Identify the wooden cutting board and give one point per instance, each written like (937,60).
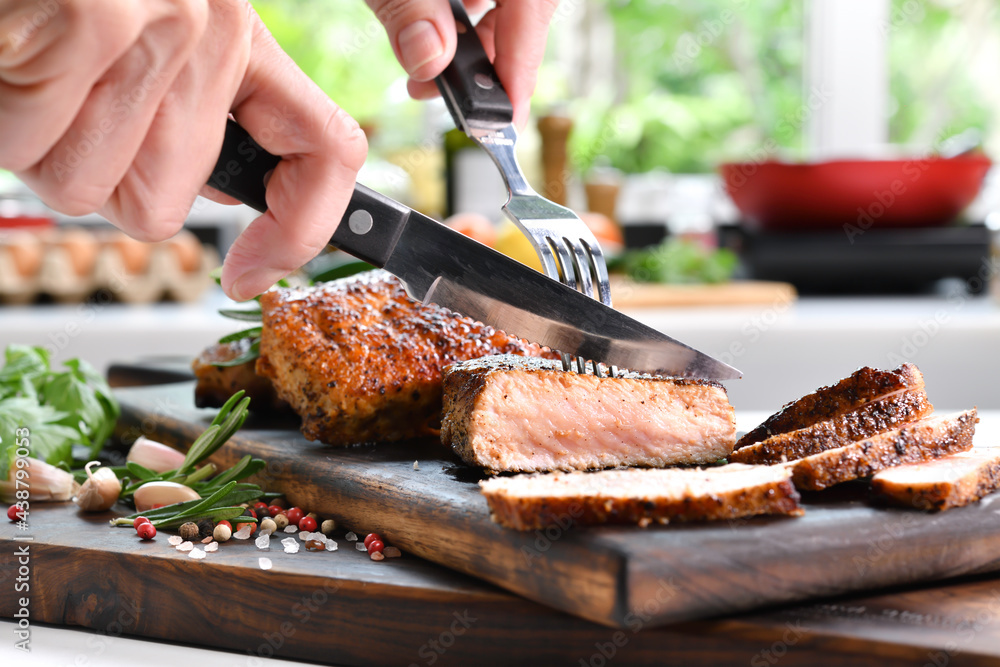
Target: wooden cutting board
(610,575)
(343,609)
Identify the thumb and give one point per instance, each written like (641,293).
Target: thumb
(422,34)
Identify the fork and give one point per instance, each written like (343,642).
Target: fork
(567,248)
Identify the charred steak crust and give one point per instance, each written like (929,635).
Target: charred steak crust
(775,494)
(870,419)
(360,361)
(980,478)
(914,442)
(864,385)
(483,445)
(215,384)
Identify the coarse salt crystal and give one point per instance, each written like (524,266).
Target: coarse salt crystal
(185,546)
(331,546)
(351,537)
(212,546)
(291,528)
(263,542)
(377,555)
(265,563)
(318,536)
(287,541)
(174,540)
(416,466)
(292,548)
(392,552)
(197,554)
(360,546)
(244,532)
(304,535)
(266,533)
(207,540)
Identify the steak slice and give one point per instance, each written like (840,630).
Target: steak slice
(360,361)
(870,419)
(917,441)
(863,386)
(519,414)
(215,384)
(642,496)
(938,485)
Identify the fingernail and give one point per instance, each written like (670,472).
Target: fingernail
(419,44)
(244,287)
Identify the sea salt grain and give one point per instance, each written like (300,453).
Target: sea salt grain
(174,540)
(291,546)
(265,563)
(207,540)
(185,546)
(197,554)
(360,546)
(291,528)
(416,466)
(351,537)
(263,542)
(212,546)
(331,546)
(244,532)
(304,535)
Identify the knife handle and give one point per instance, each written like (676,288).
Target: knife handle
(370,226)
(469,85)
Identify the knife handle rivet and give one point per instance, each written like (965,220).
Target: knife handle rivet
(484,81)
(360,222)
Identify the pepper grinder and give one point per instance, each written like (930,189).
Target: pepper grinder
(554,130)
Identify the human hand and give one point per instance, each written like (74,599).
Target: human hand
(422,33)
(120,107)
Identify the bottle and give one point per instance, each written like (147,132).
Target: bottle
(472,182)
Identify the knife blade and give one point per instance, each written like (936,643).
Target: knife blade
(442,266)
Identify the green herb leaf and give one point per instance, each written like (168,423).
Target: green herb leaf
(254,315)
(240,335)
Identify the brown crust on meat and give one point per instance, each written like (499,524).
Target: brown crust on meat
(942,495)
(215,384)
(464,383)
(360,361)
(870,419)
(917,441)
(519,513)
(864,385)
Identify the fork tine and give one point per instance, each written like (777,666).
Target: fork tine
(582,267)
(568,273)
(549,265)
(600,267)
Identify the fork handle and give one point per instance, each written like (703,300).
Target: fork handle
(371,224)
(469,85)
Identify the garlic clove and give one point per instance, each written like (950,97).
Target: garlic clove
(100,491)
(154,455)
(48,483)
(162,493)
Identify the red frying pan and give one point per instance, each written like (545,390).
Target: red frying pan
(868,193)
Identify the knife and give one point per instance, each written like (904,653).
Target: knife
(442,266)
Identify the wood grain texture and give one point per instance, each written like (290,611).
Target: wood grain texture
(342,608)
(606,574)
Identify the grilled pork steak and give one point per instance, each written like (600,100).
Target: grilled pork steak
(938,485)
(870,419)
(917,441)
(518,414)
(826,403)
(360,361)
(643,496)
(215,384)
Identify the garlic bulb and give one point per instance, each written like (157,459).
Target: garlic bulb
(100,491)
(162,493)
(48,483)
(154,455)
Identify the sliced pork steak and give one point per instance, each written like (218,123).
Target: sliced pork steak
(518,414)
(642,496)
(952,481)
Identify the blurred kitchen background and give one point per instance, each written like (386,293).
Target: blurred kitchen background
(799,187)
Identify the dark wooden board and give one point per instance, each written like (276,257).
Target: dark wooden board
(609,575)
(341,608)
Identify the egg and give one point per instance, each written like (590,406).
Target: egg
(81,246)
(26,249)
(187,248)
(134,254)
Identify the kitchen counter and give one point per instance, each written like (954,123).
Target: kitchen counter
(784,349)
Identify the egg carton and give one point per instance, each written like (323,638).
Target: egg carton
(66,279)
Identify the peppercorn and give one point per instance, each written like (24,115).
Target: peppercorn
(205,527)
(371,537)
(268,524)
(139,520)
(274,510)
(146,531)
(294,514)
(328,527)
(249,512)
(260,507)
(222,532)
(189,531)
(376,545)
(313,515)
(280,521)
(307,523)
